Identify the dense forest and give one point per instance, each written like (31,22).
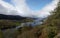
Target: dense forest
(49,29)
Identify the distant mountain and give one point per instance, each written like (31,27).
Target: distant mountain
(11,17)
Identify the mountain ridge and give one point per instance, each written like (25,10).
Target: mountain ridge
(11,17)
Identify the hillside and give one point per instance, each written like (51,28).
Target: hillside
(11,17)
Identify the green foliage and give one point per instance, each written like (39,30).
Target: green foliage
(1,34)
(8,23)
(52,25)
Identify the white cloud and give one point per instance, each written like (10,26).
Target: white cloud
(6,5)
(22,9)
(47,9)
(6,8)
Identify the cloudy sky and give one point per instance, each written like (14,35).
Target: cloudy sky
(28,8)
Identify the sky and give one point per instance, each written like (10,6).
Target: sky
(28,8)
(37,4)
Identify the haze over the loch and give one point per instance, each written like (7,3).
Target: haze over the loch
(28,8)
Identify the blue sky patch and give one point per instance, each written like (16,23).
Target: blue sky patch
(37,4)
(9,1)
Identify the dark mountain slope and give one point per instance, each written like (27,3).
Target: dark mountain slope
(11,17)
